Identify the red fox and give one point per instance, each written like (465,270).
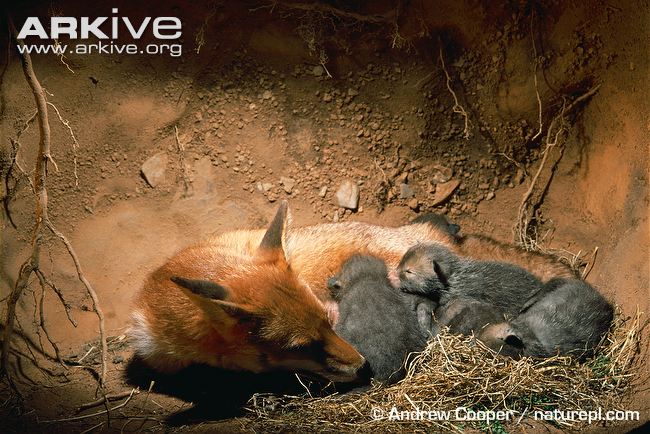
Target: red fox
(257,300)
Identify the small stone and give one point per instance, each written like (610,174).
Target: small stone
(440,174)
(483,186)
(266,186)
(287,184)
(443,191)
(327,97)
(267,94)
(347,196)
(323,191)
(519,177)
(118,359)
(405,191)
(414,204)
(489,196)
(318,71)
(153,170)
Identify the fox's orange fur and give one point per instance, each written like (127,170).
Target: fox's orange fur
(275,311)
(484,248)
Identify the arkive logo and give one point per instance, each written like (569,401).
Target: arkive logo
(111,34)
(164,28)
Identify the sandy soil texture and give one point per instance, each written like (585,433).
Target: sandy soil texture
(279,100)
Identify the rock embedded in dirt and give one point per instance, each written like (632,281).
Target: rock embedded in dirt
(347,196)
(414,204)
(153,170)
(287,184)
(489,196)
(405,191)
(318,71)
(443,191)
(323,191)
(439,174)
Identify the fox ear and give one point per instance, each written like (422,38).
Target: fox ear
(207,294)
(272,247)
(202,288)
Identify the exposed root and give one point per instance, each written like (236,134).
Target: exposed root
(99,413)
(199,38)
(535,64)
(11,180)
(61,56)
(590,264)
(396,39)
(555,133)
(75,143)
(457,108)
(325,9)
(31,266)
(91,292)
(40,325)
(102,400)
(181,157)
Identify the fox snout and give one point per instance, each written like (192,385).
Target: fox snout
(343,362)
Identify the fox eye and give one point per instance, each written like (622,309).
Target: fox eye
(409,271)
(298,343)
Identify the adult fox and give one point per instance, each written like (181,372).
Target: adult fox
(257,300)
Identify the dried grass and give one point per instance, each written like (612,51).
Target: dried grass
(456,371)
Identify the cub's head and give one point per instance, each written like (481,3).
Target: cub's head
(277,319)
(425,269)
(357,268)
(504,339)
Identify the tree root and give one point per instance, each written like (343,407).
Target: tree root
(31,266)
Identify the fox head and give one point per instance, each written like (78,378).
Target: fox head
(273,314)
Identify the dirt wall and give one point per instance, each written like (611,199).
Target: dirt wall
(259,119)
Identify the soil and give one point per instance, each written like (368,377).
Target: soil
(259,119)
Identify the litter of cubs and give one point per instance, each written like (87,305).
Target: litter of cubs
(420,316)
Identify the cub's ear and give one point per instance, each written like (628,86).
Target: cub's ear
(442,271)
(208,295)
(273,245)
(334,285)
